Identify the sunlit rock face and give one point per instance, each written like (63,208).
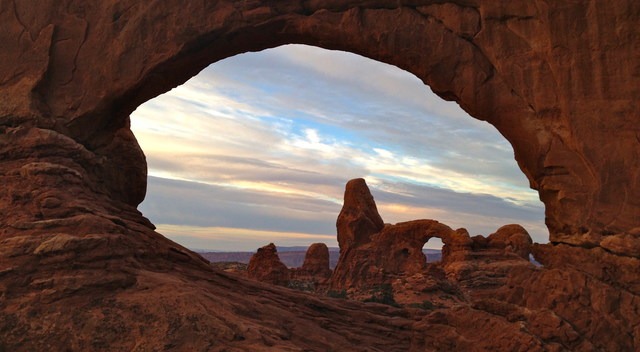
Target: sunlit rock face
(559,80)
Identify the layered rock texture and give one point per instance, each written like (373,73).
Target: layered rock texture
(489,280)
(312,276)
(315,272)
(316,261)
(390,263)
(266,266)
(560,80)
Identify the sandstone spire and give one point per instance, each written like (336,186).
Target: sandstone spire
(359,218)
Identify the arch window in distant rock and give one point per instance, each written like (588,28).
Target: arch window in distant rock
(257,148)
(432,250)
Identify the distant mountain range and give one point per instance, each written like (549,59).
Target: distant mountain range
(293,257)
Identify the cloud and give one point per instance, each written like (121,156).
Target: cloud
(466,203)
(237,239)
(266,141)
(189,204)
(338,90)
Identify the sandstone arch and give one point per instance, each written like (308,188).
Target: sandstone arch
(373,253)
(73,173)
(471,53)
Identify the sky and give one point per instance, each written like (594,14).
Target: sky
(257,148)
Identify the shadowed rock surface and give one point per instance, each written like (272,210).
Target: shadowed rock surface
(312,276)
(392,259)
(359,218)
(292,257)
(560,80)
(316,261)
(511,238)
(265,266)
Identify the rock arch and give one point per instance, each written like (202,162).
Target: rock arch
(72,172)
(373,253)
(90,65)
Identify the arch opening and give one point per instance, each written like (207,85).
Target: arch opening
(432,249)
(327,111)
(74,174)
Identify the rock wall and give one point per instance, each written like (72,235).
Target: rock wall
(554,79)
(560,80)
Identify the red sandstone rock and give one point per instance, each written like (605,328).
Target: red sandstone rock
(314,274)
(456,246)
(359,218)
(316,261)
(512,238)
(265,266)
(558,79)
(471,53)
(393,258)
(479,265)
(380,250)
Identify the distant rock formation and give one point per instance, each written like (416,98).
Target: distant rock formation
(265,266)
(292,257)
(236,268)
(316,261)
(314,273)
(558,79)
(512,238)
(359,218)
(375,256)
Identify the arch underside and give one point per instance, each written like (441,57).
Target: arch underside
(73,172)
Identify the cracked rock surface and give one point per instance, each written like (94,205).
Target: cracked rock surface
(560,80)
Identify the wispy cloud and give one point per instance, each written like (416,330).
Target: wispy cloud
(238,239)
(270,138)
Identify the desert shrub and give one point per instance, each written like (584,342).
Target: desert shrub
(337,294)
